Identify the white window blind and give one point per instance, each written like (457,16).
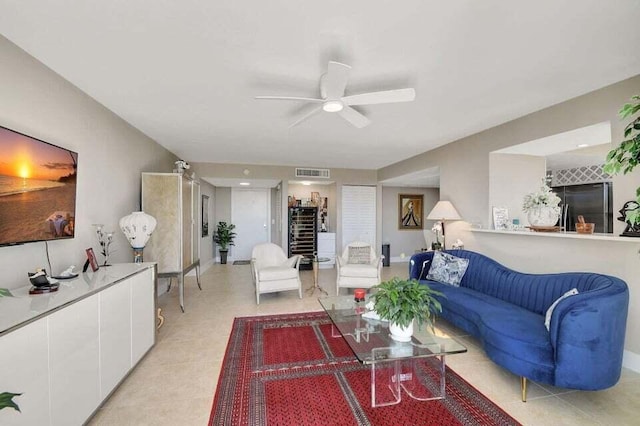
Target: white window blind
(358,214)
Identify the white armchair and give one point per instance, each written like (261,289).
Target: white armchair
(358,267)
(273,272)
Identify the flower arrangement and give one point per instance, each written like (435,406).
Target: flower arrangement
(543,198)
(105,238)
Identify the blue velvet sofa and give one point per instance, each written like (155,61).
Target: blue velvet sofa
(506,311)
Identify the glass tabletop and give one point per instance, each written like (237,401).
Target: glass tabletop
(370,341)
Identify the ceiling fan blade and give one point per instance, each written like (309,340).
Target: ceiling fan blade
(354,117)
(289,98)
(335,81)
(305,116)
(384,97)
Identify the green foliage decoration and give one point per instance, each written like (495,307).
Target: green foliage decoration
(626,156)
(5,293)
(224,235)
(6,400)
(401,301)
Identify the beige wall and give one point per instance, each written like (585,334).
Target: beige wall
(510,177)
(111,155)
(405,242)
(464,179)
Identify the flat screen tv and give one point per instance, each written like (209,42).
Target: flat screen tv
(37,189)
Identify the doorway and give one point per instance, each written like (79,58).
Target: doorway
(250,213)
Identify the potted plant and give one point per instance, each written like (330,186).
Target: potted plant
(542,207)
(224,236)
(625,158)
(401,301)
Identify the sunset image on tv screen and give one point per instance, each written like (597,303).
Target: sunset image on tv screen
(37,189)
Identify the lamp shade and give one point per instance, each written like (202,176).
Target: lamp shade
(444,210)
(138,227)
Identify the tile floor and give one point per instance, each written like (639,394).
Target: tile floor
(175,383)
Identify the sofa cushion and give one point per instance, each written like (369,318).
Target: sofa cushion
(547,317)
(359,271)
(277,273)
(359,255)
(447,268)
(501,324)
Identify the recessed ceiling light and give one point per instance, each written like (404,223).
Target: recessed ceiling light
(244,184)
(583,145)
(332,106)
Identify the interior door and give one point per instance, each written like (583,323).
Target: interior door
(250,214)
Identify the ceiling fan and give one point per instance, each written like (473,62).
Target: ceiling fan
(332,97)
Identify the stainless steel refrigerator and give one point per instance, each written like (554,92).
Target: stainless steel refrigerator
(593,201)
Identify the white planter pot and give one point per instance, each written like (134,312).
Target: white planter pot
(543,216)
(401,334)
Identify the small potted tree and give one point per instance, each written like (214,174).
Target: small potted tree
(402,301)
(224,236)
(624,158)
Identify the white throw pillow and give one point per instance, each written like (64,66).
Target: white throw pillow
(447,269)
(425,268)
(547,317)
(359,255)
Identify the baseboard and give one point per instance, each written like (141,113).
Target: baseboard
(631,361)
(399,259)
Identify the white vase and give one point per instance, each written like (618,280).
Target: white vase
(543,216)
(401,334)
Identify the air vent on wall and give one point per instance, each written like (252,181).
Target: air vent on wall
(312,173)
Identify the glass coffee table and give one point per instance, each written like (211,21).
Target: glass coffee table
(416,367)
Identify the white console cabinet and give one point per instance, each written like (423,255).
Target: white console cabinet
(65,352)
(327,248)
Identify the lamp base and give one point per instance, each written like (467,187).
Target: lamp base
(137,255)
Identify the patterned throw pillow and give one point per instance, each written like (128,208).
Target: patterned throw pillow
(547,317)
(359,255)
(447,269)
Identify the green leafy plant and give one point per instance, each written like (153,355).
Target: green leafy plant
(626,156)
(5,293)
(6,400)
(224,235)
(401,301)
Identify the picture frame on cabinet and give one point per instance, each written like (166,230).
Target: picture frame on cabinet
(91,260)
(205,216)
(500,218)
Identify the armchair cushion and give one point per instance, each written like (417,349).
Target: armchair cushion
(357,270)
(274,273)
(359,255)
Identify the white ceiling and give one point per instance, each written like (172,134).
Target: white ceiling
(185,72)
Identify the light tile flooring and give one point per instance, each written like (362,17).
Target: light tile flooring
(175,383)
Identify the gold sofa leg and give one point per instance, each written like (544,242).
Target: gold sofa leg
(523,388)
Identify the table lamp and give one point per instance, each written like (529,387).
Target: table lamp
(442,211)
(138,227)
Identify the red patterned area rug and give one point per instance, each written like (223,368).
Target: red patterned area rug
(288,370)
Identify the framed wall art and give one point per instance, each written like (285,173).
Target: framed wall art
(205,215)
(410,213)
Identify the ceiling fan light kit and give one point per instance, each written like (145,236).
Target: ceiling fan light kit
(332,106)
(333,99)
